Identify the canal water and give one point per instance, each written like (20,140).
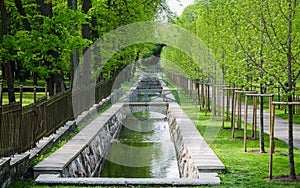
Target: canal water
(143,149)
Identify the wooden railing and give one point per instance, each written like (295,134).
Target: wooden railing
(22,126)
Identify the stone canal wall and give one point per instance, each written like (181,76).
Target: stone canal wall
(195,158)
(84,155)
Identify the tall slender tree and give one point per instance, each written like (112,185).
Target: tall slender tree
(9,75)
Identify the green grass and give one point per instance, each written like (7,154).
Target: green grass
(242,169)
(281,114)
(27,97)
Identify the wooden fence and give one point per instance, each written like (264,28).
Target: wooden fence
(22,126)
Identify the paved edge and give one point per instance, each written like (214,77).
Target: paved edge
(54,179)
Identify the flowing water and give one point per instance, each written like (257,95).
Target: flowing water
(143,149)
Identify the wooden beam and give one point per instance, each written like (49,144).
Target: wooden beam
(286,103)
(260,95)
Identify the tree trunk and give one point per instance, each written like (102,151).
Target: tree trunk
(10,82)
(21,11)
(55,83)
(290,90)
(74,57)
(86,34)
(55,80)
(9,76)
(261,86)
(27,27)
(261,116)
(45,8)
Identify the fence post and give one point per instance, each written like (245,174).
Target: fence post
(1,92)
(34,94)
(46,90)
(54,89)
(1,132)
(62,87)
(21,94)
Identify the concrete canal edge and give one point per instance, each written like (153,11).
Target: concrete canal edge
(195,158)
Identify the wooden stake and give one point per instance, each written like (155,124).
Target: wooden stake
(245,125)
(228,106)
(239,120)
(254,120)
(233,115)
(213,98)
(272,115)
(223,109)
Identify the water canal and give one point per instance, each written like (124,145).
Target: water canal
(143,149)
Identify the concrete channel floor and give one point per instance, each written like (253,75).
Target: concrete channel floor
(280,126)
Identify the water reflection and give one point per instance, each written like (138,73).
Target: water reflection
(143,150)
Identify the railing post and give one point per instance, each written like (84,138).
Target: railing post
(54,89)
(1,92)
(34,94)
(62,87)
(2,144)
(46,90)
(21,94)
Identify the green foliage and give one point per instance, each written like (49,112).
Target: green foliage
(242,34)
(242,169)
(46,48)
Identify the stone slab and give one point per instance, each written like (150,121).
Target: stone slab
(205,179)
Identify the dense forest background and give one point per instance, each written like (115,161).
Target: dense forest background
(45,39)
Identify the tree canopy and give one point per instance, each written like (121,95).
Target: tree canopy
(255,43)
(38,37)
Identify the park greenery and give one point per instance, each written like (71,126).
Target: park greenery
(254,43)
(243,169)
(44,39)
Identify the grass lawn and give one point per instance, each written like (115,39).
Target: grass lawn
(27,97)
(242,169)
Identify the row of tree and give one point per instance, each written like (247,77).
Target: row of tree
(254,42)
(39,38)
